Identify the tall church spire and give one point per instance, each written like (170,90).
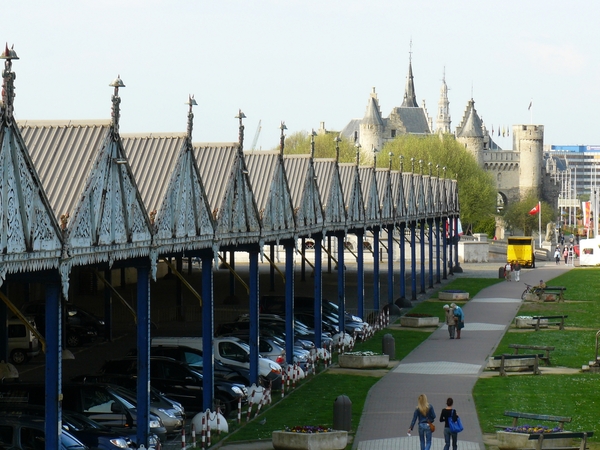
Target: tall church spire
(443,117)
(410,99)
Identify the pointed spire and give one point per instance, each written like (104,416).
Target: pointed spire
(312,143)
(240,116)
(357,146)
(337,148)
(443,118)
(373,112)
(282,127)
(471,125)
(390,156)
(8,80)
(410,98)
(191,102)
(116,101)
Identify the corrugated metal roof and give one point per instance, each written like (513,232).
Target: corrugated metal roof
(63,153)
(332,196)
(296,168)
(370,195)
(261,168)
(304,192)
(153,158)
(215,162)
(384,193)
(353,196)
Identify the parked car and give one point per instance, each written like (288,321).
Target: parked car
(28,432)
(77,335)
(90,433)
(181,383)
(170,412)
(99,402)
(22,343)
(233,352)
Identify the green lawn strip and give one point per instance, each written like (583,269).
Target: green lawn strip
(582,314)
(575,396)
(405,342)
(581,283)
(311,404)
(572,348)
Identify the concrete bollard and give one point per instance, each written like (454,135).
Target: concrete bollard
(389,346)
(342,413)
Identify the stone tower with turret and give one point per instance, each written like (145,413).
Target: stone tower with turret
(528,141)
(371,127)
(471,134)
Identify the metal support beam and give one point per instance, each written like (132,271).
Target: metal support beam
(341,298)
(413,260)
(437,250)
(289,301)
(402,262)
(376,284)
(254,324)
(231,268)
(53,369)
(360,274)
(390,272)
(207,331)
(430,246)
(143,353)
(422,254)
(318,307)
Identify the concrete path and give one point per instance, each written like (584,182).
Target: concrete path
(442,368)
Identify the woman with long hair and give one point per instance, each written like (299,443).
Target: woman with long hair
(425,415)
(449,413)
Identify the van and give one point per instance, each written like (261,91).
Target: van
(233,352)
(22,343)
(522,249)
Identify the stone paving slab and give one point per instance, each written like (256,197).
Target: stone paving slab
(412,443)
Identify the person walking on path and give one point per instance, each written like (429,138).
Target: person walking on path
(450,320)
(566,254)
(449,413)
(507,271)
(557,256)
(517,270)
(460,318)
(425,415)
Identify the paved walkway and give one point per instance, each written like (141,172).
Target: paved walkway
(442,368)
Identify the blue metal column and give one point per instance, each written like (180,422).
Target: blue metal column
(449,243)
(108,322)
(422,254)
(360,269)
(413,260)
(437,250)
(143,352)
(289,301)
(390,249)
(318,289)
(208,355)
(254,320)
(444,232)
(457,268)
(53,365)
(272,268)
(231,273)
(430,242)
(341,300)
(402,262)
(376,269)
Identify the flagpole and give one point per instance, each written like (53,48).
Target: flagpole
(540,221)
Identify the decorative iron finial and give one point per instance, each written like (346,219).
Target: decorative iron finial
(429,164)
(390,155)
(8,82)
(421,166)
(437,166)
(191,102)
(312,143)
(116,101)
(241,116)
(357,145)
(412,164)
(374,157)
(282,127)
(401,163)
(444,169)
(337,140)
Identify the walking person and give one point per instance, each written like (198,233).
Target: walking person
(507,271)
(449,413)
(450,320)
(557,255)
(425,415)
(460,318)
(517,270)
(566,254)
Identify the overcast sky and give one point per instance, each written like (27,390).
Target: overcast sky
(306,62)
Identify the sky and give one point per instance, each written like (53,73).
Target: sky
(306,62)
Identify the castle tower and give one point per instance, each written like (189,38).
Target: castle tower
(371,127)
(470,132)
(443,121)
(528,141)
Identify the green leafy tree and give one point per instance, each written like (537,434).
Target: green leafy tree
(476,190)
(517,217)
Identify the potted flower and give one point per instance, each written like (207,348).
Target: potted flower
(417,320)
(309,438)
(363,360)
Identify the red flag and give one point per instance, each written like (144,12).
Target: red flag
(535,210)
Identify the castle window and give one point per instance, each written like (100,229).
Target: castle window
(393,133)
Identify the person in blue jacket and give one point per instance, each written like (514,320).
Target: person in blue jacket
(460,318)
(424,414)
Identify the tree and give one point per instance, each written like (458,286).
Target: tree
(517,217)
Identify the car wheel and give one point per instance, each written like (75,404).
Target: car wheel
(73,340)
(18,356)
(223,405)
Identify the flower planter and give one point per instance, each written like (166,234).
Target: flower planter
(510,441)
(351,361)
(453,295)
(418,322)
(331,440)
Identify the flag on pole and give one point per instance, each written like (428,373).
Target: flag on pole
(530,103)
(535,210)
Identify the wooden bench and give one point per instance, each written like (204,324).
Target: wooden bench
(556,320)
(545,348)
(542,437)
(502,362)
(529,416)
(558,290)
